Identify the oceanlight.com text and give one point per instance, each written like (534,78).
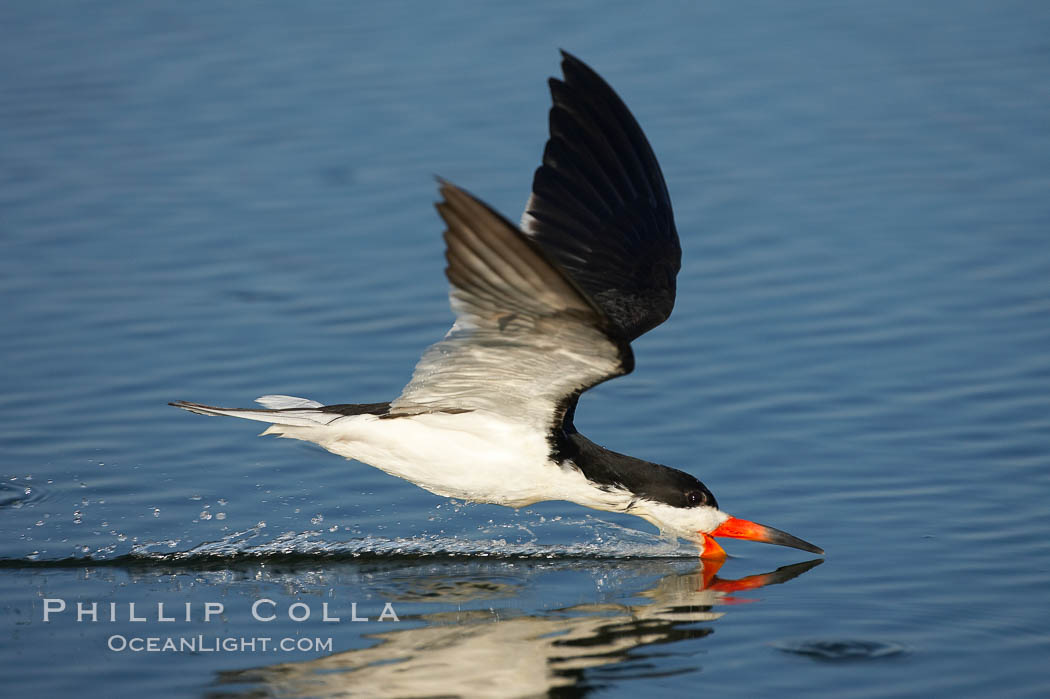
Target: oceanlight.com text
(201,643)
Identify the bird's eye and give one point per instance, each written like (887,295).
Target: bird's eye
(695,497)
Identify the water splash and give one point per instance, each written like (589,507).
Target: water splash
(518,540)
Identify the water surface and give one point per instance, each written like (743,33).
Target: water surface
(213,203)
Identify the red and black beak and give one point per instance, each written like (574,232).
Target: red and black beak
(742,529)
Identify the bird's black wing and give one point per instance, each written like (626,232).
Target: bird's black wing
(599,206)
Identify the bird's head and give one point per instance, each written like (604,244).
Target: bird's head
(685,508)
(675,501)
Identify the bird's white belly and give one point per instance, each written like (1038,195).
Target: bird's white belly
(474,456)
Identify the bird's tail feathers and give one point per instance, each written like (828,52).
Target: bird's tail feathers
(279,410)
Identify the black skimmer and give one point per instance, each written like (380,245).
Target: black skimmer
(544,312)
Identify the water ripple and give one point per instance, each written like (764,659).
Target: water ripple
(843,650)
(18,493)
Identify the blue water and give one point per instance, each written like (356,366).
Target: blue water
(215,202)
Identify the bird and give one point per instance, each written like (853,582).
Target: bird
(544,311)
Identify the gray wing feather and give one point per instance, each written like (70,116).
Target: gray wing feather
(526,339)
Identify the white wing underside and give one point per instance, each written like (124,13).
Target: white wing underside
(276,402)
(525,337)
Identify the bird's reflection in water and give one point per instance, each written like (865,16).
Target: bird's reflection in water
(500,652)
